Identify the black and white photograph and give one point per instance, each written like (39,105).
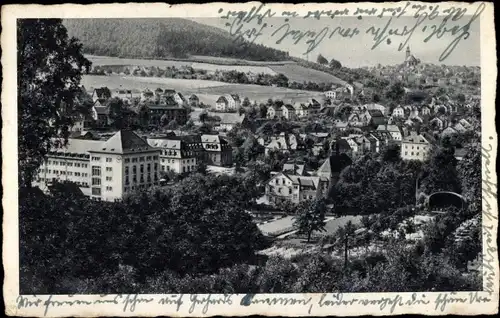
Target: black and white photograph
(257,150)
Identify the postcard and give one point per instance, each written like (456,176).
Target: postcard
(235,159)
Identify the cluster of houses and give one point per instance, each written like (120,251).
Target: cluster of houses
(413,72)
(160,106)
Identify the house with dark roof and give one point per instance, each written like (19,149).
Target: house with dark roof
(222,104)
(102,94)
(288,112)
(194,101)
(164,113)
(218,150)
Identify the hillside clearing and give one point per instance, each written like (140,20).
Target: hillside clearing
(300,74)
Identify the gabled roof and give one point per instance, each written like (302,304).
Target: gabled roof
(231,118)
(289,107)
(102,92)
(375,113)
(235,97)
(417,139)
(193,97)
(213,139)
(101,110)
(125,141)
(79,146)
(390,128)
(222,99)
(335,164)
(294,168)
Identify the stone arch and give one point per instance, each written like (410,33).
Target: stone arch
(442,199)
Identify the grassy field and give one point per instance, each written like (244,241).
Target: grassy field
(239,68)
(290,69)
(299,74)
(222,61)
(207,91)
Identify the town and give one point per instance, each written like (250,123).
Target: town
(333,182)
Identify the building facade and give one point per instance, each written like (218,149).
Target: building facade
(104,170)
(415,147)
(218,151)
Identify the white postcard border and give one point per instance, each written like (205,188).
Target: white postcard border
(306,304)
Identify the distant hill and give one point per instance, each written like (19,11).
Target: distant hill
(163,38)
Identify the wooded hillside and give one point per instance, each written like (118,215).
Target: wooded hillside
(163,37)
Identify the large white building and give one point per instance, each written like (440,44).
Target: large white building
(175,155)
(104,170)
(415,147)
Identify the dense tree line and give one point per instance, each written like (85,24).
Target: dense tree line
(196,226)
(50,65)
(160,38)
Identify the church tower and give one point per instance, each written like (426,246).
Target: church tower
(408,53)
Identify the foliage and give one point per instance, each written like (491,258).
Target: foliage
(321,60)
(166,37)
(50,66)
(469,173)
(310,217)
(441,173)
(395,92)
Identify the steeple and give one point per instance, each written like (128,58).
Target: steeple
(408,53)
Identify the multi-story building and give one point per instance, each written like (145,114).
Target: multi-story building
(288,112)
(274,112)
(415,147)
(104,170)
(296,188)
(394,130)
(330,94)
(175,154)
(168,112)
(218,151)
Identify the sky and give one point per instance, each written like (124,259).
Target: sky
(357,51)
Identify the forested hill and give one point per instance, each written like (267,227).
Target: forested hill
(161,38)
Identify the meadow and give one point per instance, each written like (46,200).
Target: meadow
(300,74)
(207,91)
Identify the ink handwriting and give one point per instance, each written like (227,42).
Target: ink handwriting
(451,24)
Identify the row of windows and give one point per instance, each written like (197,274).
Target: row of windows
(69,173)
(184,169)
(81,184)
(69,164)
(412,147)
(174,160)
(134,168)
(412,153)
(141,159)
(209,146)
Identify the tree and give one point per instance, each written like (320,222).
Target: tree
(203,117)
(391,153)
(322,60)
(395,92)
(263,111)
(469,174)
(117,112)
(335,65)
(441,172)
(50,67)
(310,217)
(172,125)
(246,102)
(345,233)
